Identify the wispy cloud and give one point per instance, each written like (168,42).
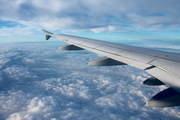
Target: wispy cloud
(96,16)
(103,29)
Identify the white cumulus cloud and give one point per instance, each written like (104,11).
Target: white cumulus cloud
(38,81)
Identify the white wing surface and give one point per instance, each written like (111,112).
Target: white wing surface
(163,66)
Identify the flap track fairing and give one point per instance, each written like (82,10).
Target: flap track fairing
(105,61)
(166,98)
(152,81)
(70,47)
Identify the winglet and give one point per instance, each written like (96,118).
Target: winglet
(48,34)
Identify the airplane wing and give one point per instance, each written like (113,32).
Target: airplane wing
(163,66)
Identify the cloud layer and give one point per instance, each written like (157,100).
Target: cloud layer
(96,16)
(38,81)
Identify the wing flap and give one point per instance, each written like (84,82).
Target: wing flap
(111,50)
(166,77)
(137,56)
(90,44)
(169,66)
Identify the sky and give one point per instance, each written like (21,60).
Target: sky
(40,82)
(23,20)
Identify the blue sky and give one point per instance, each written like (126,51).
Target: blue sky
(22,20)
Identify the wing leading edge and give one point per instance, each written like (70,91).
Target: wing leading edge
(164,66)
